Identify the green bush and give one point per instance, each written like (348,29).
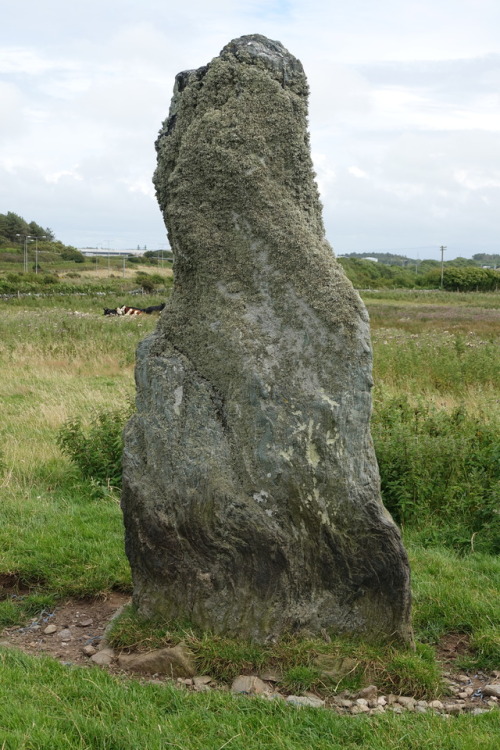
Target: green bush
(440,473)
(71,253)
(462,279)
(365,274)
(96,449)
(149,282)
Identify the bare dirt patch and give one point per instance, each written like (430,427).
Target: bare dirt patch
(452,646)
(84,621)
(77,624)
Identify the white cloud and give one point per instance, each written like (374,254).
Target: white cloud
(357,172)
(404,112)
(11,110)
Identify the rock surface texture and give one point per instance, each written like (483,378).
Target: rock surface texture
(251,491)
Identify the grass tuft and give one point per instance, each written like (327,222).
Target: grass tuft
(300,663)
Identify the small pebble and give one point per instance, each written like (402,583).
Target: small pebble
(202,680)
(344,703)
(406,701)
(437,705)
(452,708)
(359,709)
(493,690)
(85,622)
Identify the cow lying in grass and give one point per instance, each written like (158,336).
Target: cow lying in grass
(125,310)
(153,308)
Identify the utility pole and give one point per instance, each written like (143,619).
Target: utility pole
(443,248)
(25,250)
(43,237)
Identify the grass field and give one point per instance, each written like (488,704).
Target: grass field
(437,373)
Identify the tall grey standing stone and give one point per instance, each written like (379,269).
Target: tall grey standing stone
(251,490)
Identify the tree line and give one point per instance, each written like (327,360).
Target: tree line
(491,260)
(13,228)
(365,274)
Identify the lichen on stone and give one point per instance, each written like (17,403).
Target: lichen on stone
(251,492)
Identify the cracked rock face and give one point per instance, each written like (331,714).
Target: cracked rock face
(251,490)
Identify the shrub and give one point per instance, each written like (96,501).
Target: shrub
(365,274)
(96,449)
(440,473)
(149,282)
(48,279)
(463,279)
(71,253)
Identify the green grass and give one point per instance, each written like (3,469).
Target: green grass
(456,365)
(410,297)
(62,535)
(456,594)
(300,662)
(46,705)
(440,472)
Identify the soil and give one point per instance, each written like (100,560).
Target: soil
(87,621)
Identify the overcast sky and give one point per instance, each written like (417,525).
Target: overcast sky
(404,113)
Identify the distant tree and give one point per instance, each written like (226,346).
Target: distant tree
(15,225)
(390,259)
(12,225)
(487,259)
(71,253)
(463,279)
(36,230)
(460,262)
(365,274)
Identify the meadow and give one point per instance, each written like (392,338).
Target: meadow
(436,427)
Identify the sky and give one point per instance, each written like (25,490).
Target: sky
(404,114)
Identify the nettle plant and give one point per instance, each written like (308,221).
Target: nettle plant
(96,447)
(440,472)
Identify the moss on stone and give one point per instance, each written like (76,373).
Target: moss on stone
(251,492)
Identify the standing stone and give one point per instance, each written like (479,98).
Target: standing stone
(250,487)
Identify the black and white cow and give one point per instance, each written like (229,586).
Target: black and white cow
(125,310)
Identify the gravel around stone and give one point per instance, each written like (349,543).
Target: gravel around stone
(73,633)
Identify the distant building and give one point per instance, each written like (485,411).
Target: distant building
(357,257)
(99,251)
(96,251)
